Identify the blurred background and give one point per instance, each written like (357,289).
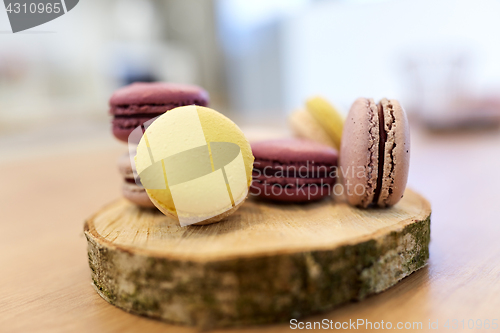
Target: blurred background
(258,59)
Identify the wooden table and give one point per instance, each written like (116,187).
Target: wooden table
(45,278)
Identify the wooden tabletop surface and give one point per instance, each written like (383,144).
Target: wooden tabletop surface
(45,279)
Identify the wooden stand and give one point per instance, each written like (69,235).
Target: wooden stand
(265,263)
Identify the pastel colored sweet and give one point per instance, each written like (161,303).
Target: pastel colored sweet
(320,121)
(130,190)
(327,117)
(375,153)
(305,126)
(203,181)
(293,170)
(139,102)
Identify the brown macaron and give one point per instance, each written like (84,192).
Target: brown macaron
(375,153)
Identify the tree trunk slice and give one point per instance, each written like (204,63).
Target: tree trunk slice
(265,263)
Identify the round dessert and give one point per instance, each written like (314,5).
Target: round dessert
(139,102)
(293,170)
(305,126)
(375,153)
(195,164)
(319,121)
(130,190)
(328,117)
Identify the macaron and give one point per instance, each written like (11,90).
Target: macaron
(320,121)
(139,102)
(130,190)
(305,126)
(196,165)
(293,170)
(375,153)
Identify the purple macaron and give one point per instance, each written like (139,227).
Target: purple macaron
(139,102)
(293,170)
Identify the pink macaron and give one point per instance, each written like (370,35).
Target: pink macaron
(375,153)
(130,190)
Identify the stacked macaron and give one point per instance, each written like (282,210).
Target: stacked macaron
(293,170)
(130,189)
(135,104)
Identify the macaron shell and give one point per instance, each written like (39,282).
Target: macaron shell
(396,153)
(172,213)
(213,122)
(294,150)
(359,152)
(159,93)
(120,133)
(305,126)
(327,117)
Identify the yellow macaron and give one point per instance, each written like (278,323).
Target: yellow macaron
(320,121)
(195,164)
(328,117)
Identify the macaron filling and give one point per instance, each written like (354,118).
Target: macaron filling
(130,180)
(381,153)
(150,108)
